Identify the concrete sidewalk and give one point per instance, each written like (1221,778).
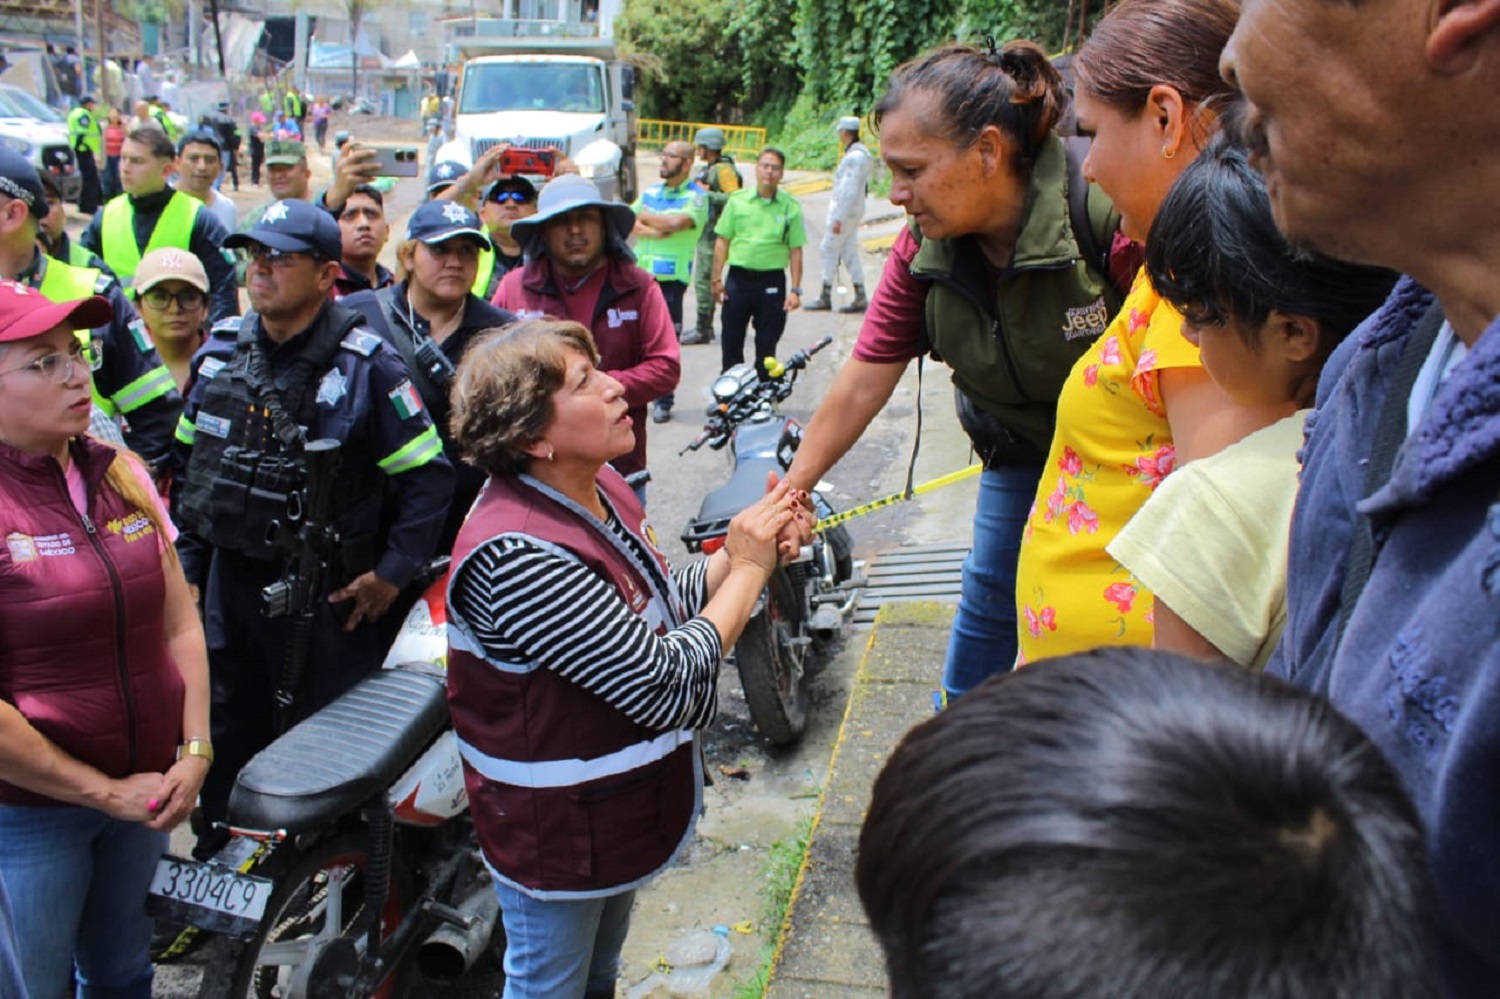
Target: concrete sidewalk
(826,950)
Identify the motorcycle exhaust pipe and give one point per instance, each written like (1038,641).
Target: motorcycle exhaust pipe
(451,950)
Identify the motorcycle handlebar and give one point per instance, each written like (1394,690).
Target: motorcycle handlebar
(776,368)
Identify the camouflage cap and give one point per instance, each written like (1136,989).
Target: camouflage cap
(285,152)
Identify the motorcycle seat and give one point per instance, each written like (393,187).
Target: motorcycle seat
(745,486)
(335,760)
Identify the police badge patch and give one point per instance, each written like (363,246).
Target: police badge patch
(332,388)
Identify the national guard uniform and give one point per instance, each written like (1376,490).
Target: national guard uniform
(338,380)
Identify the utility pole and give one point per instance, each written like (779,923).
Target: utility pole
(83,71)
(103,53)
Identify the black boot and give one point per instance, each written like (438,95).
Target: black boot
(859,304)
(822,303)
(702,333)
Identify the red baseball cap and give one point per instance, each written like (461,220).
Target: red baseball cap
(25,313)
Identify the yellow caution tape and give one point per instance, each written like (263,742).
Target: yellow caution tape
(894,498)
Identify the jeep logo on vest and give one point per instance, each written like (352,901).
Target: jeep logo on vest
(1086,320)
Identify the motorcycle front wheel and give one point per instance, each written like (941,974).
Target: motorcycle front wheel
(771,662)
(306,942)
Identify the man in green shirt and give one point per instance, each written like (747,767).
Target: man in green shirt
(668,219)
(759,235)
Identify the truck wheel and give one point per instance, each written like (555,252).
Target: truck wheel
(626,181)
(771,660)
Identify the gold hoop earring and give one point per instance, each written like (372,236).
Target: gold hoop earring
(1168,153)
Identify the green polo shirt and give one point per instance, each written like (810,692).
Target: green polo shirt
(761,233)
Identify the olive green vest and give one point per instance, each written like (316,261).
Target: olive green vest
(1012,340)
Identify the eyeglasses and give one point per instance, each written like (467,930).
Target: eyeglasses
(58,368)
(161,299)
(257,253)
(501,197)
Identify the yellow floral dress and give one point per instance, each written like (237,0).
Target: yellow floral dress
(1112,447)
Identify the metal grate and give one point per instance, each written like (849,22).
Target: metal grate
(481,146)
(911,572)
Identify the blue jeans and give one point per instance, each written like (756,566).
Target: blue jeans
(562,949)
(983,640)
(77,883)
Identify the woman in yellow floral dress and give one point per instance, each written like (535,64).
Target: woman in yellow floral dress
(1138,402)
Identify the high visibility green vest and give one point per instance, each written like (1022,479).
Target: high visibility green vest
(268,103)
(292,105)
(79,255)
(174,227)
(166,123)
(65,283)
(482,278)
(83,131)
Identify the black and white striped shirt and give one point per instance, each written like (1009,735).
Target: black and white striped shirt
(531,605)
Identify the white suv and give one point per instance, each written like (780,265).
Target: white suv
(39,133)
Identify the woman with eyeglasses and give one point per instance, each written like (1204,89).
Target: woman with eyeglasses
(104,707)
(171,291)
(431,316)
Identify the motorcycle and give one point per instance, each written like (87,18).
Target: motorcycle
(352,859)
(805,601)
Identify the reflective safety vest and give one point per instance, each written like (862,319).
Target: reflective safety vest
(84,132)
(79,255)
(268,103)
(292,104)
(482,288)
(165,120)
(174,227)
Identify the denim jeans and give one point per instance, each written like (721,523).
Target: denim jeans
(77,883)
(983,640)
(562,949)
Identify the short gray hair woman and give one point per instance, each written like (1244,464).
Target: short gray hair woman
(580,666)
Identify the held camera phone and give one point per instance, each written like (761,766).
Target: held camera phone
(532,162)
(398,162)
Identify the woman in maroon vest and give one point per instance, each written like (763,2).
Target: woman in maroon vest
(103,672)
(580,666)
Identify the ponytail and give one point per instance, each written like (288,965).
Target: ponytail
(1012,87)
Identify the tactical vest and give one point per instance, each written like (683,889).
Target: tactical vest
(1012,340)
(174,227)
(570,798)
(241,474)
(708,177)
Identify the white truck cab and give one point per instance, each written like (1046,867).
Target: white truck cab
(575,98)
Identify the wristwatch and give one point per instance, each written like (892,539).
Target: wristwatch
(795,291)
(196,747)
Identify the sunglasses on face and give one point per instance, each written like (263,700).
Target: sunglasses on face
(501,197)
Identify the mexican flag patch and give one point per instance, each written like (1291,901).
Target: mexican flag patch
(406,399)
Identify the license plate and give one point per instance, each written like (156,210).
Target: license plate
(209,896)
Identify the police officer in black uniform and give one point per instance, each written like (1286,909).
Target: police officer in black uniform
(299,368)
(130,382)
(431,317)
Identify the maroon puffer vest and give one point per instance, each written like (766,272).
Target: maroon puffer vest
(83,655)
(571,799)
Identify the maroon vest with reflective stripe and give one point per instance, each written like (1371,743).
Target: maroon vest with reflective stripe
(84,656)
(598,835)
